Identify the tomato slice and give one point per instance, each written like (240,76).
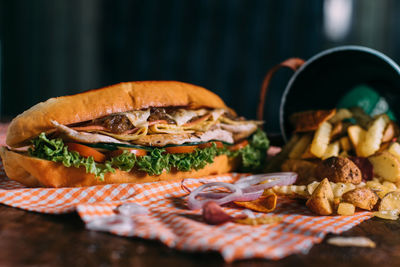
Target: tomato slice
(209,144)
(239,145)
(86,151)
(137,151)
(180,149)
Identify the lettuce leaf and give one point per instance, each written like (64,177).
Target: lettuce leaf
(156,161)
(254,156)
(55,150)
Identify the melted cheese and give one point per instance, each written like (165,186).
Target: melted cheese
(168,128)
(128,137)
(138,118)
(182,116)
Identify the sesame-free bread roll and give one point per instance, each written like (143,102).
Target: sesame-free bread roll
(36,172)
(105,101)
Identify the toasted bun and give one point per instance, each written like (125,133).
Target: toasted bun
(34,172)
(101,102)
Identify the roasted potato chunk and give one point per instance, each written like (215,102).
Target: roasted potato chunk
(321,200)
(390,202)
(394,149)
(300,147)
(346,209)
(363,198)
(386,166)
(339,170)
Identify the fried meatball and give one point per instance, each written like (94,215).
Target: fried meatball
(339,170)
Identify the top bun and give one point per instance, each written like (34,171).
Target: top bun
(105,101)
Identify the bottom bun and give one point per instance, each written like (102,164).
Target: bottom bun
(34,172)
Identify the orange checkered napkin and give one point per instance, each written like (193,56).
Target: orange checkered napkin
(170,222)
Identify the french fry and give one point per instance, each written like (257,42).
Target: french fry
(321,139)
(337,130)
(345,143)
(358,241)
(340,115)
(356,134)
(389,133)
(332,150)
(346,209)
(295,191)
(300,147)
(386,166)
(373,137)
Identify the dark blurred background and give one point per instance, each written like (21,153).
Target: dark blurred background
(56,47)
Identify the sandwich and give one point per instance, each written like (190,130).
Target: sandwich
(131,132)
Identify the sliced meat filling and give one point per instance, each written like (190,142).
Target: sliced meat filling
(72,135)
(174,126)
(117,123)
(157,114)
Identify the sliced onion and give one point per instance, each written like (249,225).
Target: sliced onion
(195,204)
(130,209)
(252,183)
(245,197)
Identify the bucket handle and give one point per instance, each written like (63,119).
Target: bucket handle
(291,63)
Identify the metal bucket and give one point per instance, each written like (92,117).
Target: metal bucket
(323,81)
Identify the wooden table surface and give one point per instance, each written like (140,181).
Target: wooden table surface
(34,239)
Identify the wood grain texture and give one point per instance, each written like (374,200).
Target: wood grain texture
(28,238)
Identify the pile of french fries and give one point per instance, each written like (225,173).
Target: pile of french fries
(348,133)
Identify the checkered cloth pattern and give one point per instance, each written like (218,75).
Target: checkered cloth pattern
(172,223)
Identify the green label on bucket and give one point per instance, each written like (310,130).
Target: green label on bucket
(368,99)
